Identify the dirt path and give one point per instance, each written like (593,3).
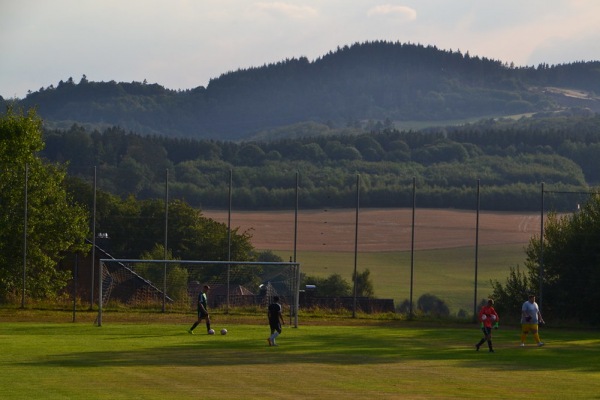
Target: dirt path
(380,229)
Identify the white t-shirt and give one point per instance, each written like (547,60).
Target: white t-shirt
(532,310)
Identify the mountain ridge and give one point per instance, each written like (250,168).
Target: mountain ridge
(370,81)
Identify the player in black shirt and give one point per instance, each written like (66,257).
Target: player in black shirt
(275,320)
(202,310)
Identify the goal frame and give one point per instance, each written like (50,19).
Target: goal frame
(296,291)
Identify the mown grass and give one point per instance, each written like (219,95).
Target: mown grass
(362,359)
(446,273)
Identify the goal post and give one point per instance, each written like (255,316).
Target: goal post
(137,281)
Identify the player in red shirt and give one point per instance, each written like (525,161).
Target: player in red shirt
(488,318)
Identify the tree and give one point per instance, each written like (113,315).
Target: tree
(509,298)
(571,266)
(177,276)
(251,154)
(364,285)
(332,286)
(131,176)
(54,224)
(430,304)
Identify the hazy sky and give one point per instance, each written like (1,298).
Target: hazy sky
(182,44)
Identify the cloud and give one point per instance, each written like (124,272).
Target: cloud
(279,9)
(388,10)
(185,43)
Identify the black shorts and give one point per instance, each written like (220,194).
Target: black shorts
(487,330)
(202,314)
(275,325)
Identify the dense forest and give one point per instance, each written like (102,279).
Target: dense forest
(510,159)
(373,81)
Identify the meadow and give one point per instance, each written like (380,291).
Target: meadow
(446,273)
(374,359)
(444,255)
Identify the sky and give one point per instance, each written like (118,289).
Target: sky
(183,44)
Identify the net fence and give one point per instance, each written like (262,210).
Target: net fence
(163,285)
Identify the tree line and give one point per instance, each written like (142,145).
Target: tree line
(509,159)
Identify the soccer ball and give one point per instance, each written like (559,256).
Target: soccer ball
(493,317)
(223,331)
(483,317)
(211,331)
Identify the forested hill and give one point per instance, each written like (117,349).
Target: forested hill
(374,81)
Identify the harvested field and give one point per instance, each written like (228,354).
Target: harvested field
(380,229)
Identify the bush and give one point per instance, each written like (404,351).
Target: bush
(431,305)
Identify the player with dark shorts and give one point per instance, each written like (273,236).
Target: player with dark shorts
(488,318)
(275,320)
(202,310)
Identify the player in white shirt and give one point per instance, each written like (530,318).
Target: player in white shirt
(530,320)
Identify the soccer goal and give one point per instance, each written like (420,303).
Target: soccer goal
(163,284)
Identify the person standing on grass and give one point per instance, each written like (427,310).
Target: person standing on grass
(488,318)
(275,320)
(202,310)
(530,320)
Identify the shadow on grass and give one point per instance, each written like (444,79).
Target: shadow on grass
(127,347)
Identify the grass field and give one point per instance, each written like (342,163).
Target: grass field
(446,273)
(363,359)
(151,356)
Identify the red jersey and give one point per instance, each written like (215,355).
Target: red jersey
(491,316)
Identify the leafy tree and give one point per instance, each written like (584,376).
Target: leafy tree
(251,154)
(196,237)
(370,148)
(54,224)
(508,298)
(364,285)
(430,304)
(311,152)
(131,176)
(268,256)
(177,276)
(332,286)
(404,307)
(137,227)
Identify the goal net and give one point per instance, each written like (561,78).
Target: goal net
(175,284)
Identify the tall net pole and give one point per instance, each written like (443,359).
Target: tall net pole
(229,233)
(25,217)
(476,252)
(296,276)
(412,245)
(166,232)
(541,270)
(93,243)
(356,245)
(297,294)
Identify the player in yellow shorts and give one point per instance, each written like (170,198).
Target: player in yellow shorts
(530,320)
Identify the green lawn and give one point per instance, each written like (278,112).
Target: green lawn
(370,360)
(446,273)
